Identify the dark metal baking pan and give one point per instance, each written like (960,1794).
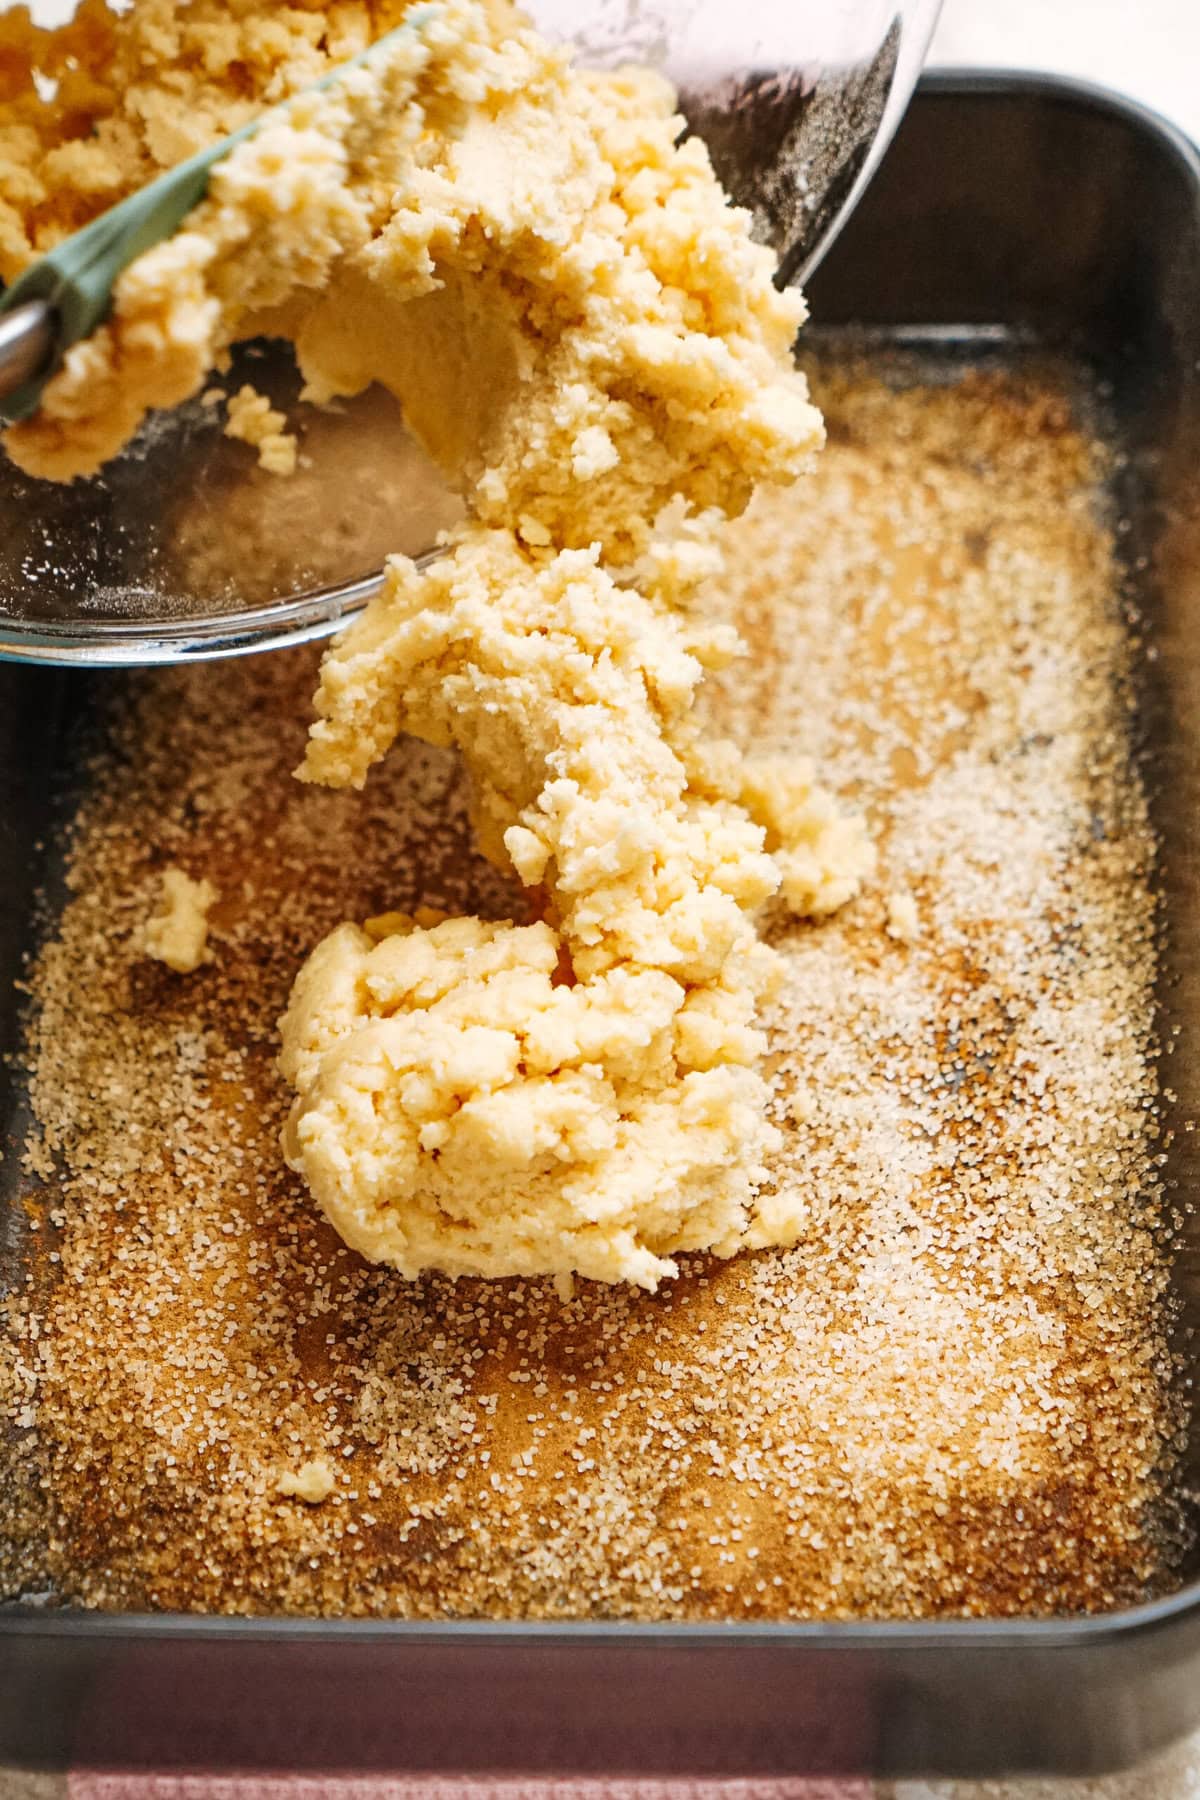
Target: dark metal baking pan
(1011,209)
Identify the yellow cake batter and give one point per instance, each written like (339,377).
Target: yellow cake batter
(177,931)
(582,334)
(251,417)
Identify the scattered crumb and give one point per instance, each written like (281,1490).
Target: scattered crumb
(255,421)
(177,934)
(312,1481)
(903,922)
(800,1106)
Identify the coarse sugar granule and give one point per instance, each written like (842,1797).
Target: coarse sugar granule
(953,1397)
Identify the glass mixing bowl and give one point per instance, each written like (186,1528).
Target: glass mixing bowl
(797,102)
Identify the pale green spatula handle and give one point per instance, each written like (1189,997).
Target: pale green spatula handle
(75,280)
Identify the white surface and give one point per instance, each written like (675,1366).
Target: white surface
(1147,48)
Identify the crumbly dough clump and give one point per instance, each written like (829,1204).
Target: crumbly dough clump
(177,934)
(589,345)
(312,1482)
(552,1097)
(252,419)
(903,920)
